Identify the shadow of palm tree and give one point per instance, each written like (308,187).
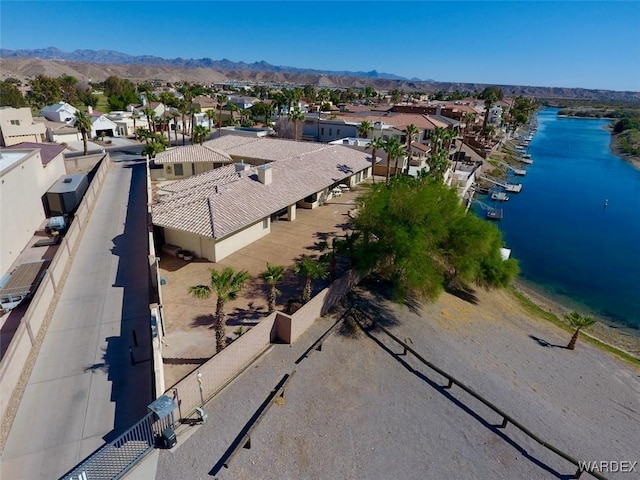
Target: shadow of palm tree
(245,316)
(203,321)
(543,343)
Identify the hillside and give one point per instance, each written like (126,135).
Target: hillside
(25,68)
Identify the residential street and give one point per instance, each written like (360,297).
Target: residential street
(84,388)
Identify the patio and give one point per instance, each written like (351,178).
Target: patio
(189,338)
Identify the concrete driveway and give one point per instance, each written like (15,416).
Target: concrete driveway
(190,340)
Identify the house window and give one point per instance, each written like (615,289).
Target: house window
(330,131)
(338,132)
(265,223)
(179,170)
(322,131)
(15,122)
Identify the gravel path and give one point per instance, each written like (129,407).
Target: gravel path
(356,410)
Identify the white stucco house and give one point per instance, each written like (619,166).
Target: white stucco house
(27,171)
(101,126)
(216,213)
(17,126)
(59,112)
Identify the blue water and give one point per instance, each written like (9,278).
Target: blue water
(568,243)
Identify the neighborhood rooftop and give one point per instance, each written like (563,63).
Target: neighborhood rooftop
(222,201)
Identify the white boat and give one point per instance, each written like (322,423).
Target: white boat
(499,196)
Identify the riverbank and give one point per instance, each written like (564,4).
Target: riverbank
(626,340)
(616,149)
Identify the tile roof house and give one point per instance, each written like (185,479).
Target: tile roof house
(17,125)
(221,211)
(181,162)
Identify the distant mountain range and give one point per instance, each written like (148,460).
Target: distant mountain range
(112,57)
(95,66)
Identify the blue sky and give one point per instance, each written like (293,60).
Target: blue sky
(564,44)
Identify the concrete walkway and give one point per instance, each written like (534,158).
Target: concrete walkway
(84,389)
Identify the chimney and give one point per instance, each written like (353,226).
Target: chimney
(264,174)
(89,109)
(241,167)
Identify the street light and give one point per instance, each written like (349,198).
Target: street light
(200,411)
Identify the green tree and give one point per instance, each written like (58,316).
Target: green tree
(44,91)
(364,128)
(417,234)
(393,147)
(83,124)
(310,269)
(296,116)
(578,322)
(10,96)
(376,144)
(272,276)
(227,285)
(490,95)
(211,116)
(200,133)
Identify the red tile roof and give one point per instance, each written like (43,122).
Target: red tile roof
(48,151)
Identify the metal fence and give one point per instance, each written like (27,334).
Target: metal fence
(451,381)
(113,460)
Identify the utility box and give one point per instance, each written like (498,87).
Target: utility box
(168,438)
(65,195)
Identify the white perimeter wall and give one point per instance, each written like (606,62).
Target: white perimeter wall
(21,210)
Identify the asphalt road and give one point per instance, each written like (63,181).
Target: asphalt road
(84,388)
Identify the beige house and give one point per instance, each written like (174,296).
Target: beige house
(17,125)
(217,213)
(27,171)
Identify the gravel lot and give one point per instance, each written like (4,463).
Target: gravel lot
(356,410)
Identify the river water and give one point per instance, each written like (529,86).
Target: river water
(575,228)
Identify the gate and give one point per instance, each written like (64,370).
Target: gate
(113,460)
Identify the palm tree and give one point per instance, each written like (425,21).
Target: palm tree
(296,116)
(310,269)
(578,321)
(143,134)
(211,116)
(83,124)
(182,108)
(376,144)
(134,117)
(412,132)
(227,285)
(468,118)
(200,133)
(272,276)
(220,99)
(174,116)
(364,128)
(394,150)
(150,113)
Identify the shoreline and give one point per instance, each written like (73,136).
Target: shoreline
(624,339)
(614,146)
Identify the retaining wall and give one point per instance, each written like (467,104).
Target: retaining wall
(226,365)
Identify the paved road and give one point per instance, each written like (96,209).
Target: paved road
(83,388)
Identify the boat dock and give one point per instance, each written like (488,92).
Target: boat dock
(499,196)
(495,213)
